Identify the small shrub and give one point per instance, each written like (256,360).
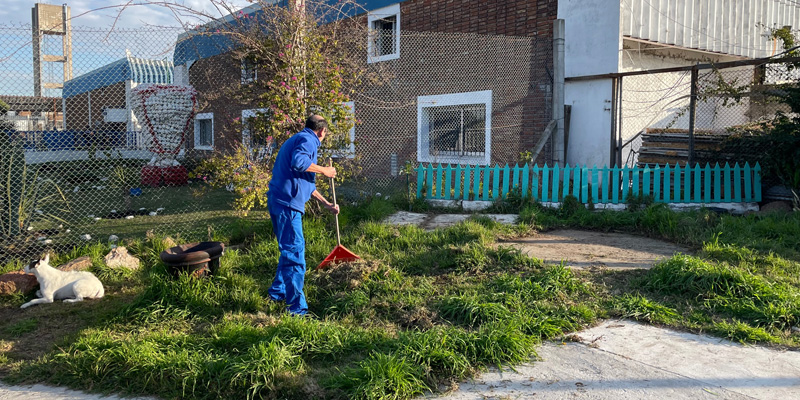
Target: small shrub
(639,201)
(570,206)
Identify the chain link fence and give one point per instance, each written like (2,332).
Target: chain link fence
(77,161)
(656,125)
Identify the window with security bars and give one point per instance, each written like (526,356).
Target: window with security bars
(457,130)
(383,43)
(384,39)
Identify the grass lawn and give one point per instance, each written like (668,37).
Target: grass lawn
(424,310)
(188,213)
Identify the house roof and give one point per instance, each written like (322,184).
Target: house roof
(139,70)
(31,103)
(205,41)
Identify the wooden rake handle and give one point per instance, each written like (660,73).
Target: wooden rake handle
(335,216)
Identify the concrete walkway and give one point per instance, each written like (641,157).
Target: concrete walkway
(42,392)
(628,360)
(432,221)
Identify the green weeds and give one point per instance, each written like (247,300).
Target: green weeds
(422,310)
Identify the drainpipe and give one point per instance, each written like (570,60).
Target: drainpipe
(558,91)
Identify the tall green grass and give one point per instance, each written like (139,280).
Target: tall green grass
(423,309)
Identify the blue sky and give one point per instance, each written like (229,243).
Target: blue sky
(156,28)
(100,13)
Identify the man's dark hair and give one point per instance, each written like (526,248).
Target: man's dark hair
(316,122)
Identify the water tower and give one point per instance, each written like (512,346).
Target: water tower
(50,20)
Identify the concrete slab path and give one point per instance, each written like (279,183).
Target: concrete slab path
(628,360)
(431,221)
(43,392)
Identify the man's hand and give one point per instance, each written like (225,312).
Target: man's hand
(333,208)
(330,172)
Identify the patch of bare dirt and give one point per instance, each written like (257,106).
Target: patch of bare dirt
(588,249)
(53,323)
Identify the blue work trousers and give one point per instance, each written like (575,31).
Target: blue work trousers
(290,277)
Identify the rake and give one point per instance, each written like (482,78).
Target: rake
(339,253)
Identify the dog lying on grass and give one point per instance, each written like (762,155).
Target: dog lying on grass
(70,286)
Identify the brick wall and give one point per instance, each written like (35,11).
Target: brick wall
(494,17)
(77,107)
(217,80)
(442,63)
(520,81)
(522,105)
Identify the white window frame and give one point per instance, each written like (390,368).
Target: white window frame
(453,99)
(377,15)
(197,119)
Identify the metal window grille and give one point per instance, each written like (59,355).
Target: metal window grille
(384,35)
(457,130)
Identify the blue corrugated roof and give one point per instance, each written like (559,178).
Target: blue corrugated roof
(139,70)
(205,42)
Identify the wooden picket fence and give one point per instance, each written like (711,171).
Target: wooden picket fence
(667,184)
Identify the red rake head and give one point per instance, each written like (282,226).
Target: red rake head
(339,254)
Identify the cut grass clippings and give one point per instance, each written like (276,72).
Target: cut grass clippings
(422,311)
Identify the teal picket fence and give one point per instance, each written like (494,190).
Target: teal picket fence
(666,184)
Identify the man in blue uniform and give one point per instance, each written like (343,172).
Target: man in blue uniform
(292,185)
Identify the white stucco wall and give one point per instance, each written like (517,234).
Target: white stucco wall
(595,45)
(590,124)
(592,46)
(592,38)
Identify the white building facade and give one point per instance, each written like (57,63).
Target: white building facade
(617,36)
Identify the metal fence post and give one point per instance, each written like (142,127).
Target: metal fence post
(692,109)
(619,124)
(613,142)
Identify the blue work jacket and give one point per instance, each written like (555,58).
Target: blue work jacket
(291,186)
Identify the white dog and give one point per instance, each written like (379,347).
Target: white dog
(71,286)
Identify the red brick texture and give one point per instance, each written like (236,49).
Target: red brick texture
(511,18)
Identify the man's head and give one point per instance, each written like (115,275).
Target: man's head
(317,124)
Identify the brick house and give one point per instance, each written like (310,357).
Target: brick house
(472,83)
(462,68)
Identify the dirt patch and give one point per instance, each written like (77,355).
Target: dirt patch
(29,333)
(586,249)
